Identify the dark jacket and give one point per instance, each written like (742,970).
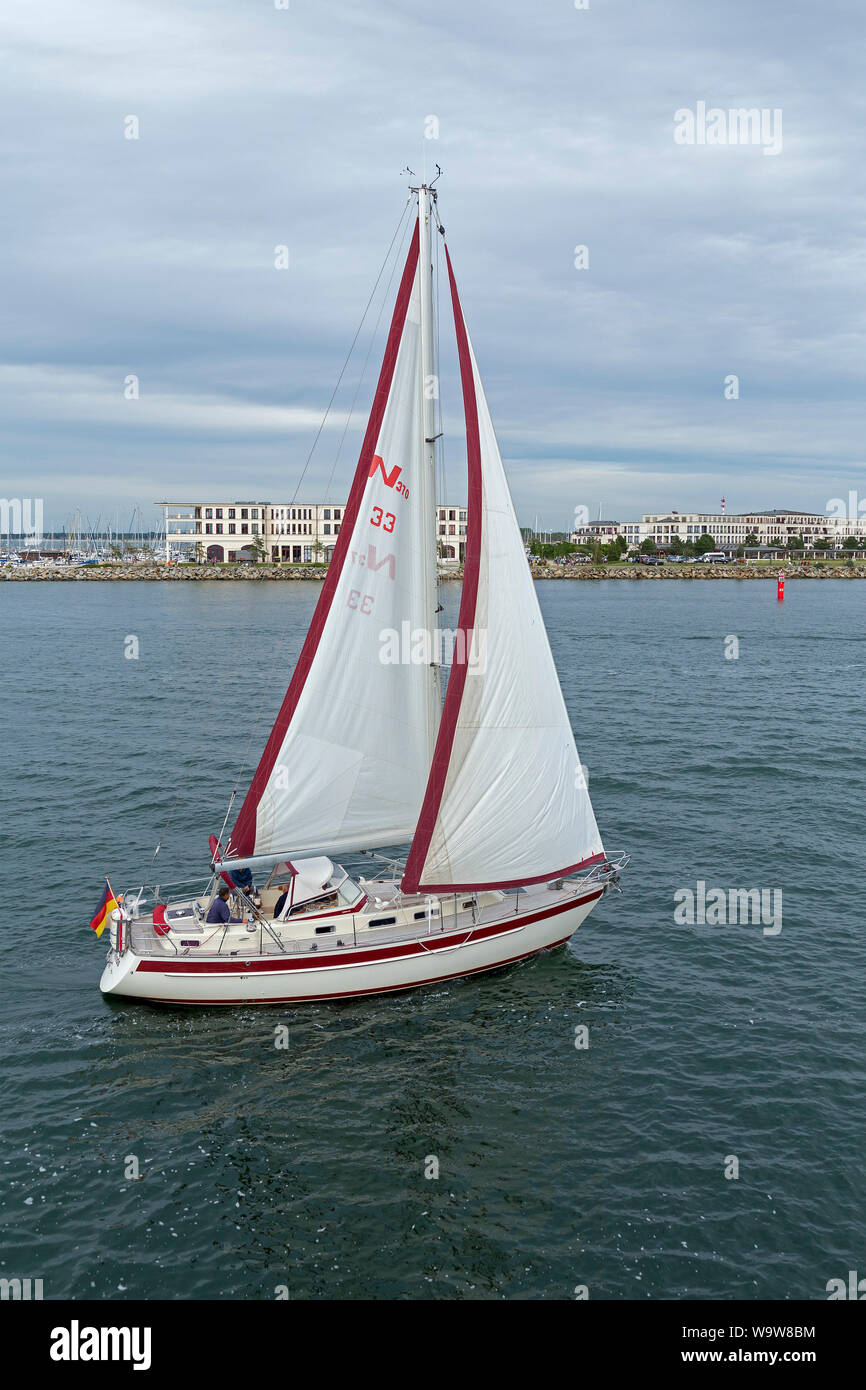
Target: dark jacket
(219,912)
(280,903)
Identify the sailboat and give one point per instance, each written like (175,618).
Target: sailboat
(485,786)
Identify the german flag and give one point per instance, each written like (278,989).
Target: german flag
(107,906)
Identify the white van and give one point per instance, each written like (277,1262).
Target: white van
(714,557)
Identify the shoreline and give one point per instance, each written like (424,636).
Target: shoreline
(263,574)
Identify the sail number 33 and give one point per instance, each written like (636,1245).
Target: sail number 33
(390,519)
(363,603)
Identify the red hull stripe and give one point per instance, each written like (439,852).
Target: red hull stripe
(374,957)
(454,695)
(243,837)
(382,989)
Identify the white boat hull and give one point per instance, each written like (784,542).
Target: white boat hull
(467,950)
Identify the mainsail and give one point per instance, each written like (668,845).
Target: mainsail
(347,761)
(506,803)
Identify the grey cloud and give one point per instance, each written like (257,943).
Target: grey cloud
(261,127)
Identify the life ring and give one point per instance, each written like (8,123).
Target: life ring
(160,925)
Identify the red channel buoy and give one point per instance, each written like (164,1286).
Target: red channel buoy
(780,592)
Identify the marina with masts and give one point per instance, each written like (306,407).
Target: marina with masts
(81,541)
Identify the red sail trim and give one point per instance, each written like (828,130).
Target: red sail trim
(411,882)
(243,837)
(515,882)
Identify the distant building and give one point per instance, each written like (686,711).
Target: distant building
(728,531)
(451,533)
(288,533)
(597,530)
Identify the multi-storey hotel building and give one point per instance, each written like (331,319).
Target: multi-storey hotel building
(293,533)
(727,530)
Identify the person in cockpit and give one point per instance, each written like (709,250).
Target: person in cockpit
(219,910)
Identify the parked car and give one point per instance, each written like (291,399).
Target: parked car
(652,559)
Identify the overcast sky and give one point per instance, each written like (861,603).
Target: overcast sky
(260,126)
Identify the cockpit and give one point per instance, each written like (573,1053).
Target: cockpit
(296,886)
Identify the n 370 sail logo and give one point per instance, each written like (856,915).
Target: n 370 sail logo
(392,479)
(385,522)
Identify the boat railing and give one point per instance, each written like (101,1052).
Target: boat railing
(140,937)
(139,934)
(610,869)
(140,902)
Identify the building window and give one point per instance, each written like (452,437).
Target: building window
(231,512)
(219,528)
(336,529)
(244,528)
(219,513)
(208,528)
(255,513)
(208,511)
(198,511)
(232,528)
(244,514)
(327,515)
(327,529)
(338,513)
(308,554)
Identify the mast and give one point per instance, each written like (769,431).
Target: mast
(429,388)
